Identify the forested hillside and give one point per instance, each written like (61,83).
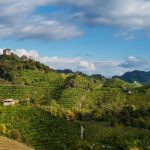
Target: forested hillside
(136,76)
(54,105)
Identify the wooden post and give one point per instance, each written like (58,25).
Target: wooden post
(82,132)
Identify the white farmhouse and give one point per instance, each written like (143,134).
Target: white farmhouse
(9,102)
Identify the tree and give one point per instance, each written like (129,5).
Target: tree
(70,82)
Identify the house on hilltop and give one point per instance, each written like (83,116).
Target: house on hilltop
(7,52)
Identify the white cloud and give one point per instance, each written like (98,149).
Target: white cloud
(133,61)
(132,14)
(18,19)
(86,65)
(109,68)
(125,13)
(39,28)
(1,51)
(31,53)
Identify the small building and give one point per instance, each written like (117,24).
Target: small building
(9,102)
(7,52)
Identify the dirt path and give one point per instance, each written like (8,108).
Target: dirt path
(7,144)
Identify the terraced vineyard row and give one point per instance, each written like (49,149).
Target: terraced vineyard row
(71,97)
(24,92)
(36,78)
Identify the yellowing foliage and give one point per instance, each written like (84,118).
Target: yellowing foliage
(3,128)
(70,115)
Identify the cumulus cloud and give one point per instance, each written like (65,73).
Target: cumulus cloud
(130,13)
(31,53)
(133,61)
(18,21)
(109,68)
(39,28)
(75,64)
(1,51)
(86,65)
(18,18)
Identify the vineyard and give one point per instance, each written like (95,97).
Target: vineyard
(53,106)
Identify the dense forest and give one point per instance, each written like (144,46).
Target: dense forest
(55,106)
(142,77)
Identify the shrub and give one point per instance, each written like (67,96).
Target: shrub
(16,135)
(3,128)
(113,122)
(55,109)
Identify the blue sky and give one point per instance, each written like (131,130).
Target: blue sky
(93,36)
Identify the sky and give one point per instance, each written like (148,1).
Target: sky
(108,37)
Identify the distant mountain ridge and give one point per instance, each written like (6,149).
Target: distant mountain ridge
(142,77)
(66,71)
(137,76)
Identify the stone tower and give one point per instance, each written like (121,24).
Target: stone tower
(6,52)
